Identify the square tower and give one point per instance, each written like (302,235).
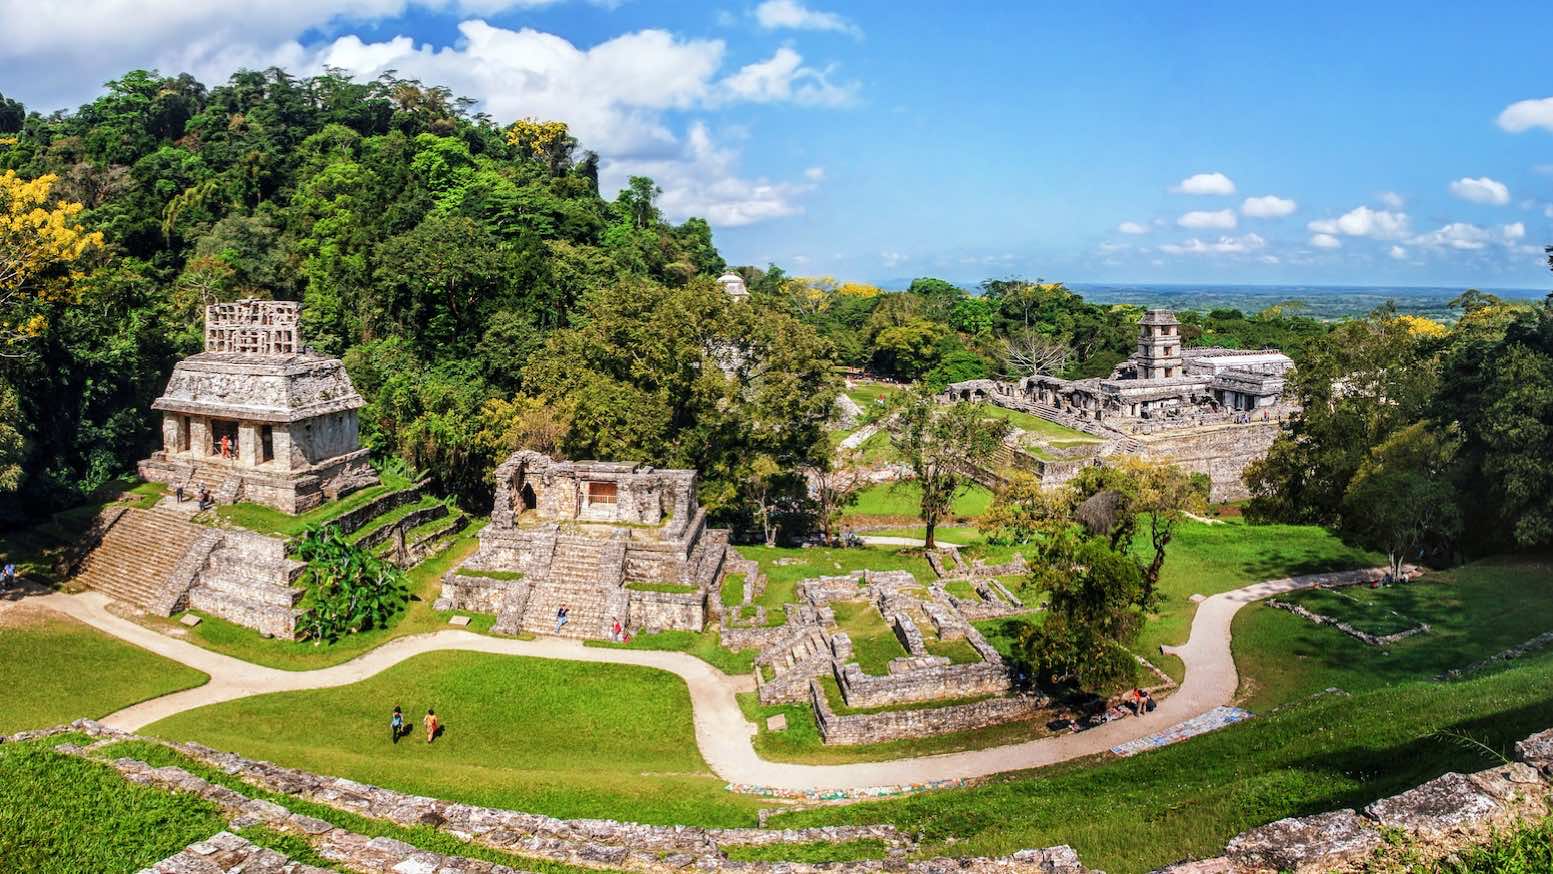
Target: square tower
(1159,346)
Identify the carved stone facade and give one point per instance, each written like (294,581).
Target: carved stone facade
(256,418)
(1207,410)
(581,533)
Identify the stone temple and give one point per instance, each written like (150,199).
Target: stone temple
(257,417)
(1209,410)
(613,541)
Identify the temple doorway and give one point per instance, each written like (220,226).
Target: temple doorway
(223,438)
(529,500)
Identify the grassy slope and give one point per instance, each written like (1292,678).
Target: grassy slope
(563,738)
(1473,612)
(62,814)
(1131,815)
(704,645)
(904,498)
(268,520)
(784,567)
(54,669)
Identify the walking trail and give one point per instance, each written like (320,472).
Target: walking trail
(723,734)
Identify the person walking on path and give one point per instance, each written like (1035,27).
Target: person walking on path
(432,727)
(560,618)
(8,576)
(615,632)
(396,724)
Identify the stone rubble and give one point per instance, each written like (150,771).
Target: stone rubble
(226,852)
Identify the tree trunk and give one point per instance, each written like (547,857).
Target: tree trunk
(928,541)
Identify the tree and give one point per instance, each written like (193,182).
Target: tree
(1401,500)
(41,243)
(1031,353)
(1091,616)
(944,445)
(835,485)
(1112,499)
(1022,511)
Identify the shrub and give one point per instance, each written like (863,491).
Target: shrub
(349,588)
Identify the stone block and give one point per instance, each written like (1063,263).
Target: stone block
(1306,844)
(1218,865)
(190,620)
(459,621)
(777,723)
(1537,751)
(1198,599)
(1445,804)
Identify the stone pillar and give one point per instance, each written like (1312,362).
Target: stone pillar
(281,439)
(248,444)
(170,433)
(199,436)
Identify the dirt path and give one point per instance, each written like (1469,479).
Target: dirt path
(722,733)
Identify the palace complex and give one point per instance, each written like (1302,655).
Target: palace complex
(1209,410)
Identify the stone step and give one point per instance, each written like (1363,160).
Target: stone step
(137,555)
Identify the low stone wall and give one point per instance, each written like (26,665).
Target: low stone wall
(750,638)
(1536,644)
(1222,452)
(1433,820)
(477,594)
(667,611)
(922,684)
(355,519)
(382,533)
(925,722)
(1363,637)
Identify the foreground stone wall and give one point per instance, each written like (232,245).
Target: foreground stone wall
(924,722)
(248,579)
(922,684)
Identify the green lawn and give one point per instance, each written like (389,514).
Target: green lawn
(704,645)
(866,395)
(1368,610)
(1047,432)
(54,669)
(732,591)
(1128,816)
(425,581)
(957,535)
(784,567)
(563,738)
(873,641)
(904,498)
(957,651)
(1473,612)
(60,815)
(268,520)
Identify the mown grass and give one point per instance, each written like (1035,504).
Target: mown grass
(564,738)
(417,617)
(958,651)
(1473,612)
(424,837)
(54,669)
(904,498)
(63,814)
(1048,432)
(1132,815)
(784,567)
(874,643)
(704,645)
(1368,610)
(268,520)
(732,592)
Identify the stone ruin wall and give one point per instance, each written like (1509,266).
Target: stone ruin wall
(475,594)
(893,725)
(666,611)
(249,580)
(1222,453)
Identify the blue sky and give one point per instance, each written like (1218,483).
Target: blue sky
(1339,143)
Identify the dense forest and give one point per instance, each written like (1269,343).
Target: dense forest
(485,295)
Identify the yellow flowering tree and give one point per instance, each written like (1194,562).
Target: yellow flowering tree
(548,141)
(41,241)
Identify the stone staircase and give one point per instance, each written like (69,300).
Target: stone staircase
(589,606)
(579,561)
(794,661)
(140,555)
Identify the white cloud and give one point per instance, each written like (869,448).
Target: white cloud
(1398,253)
(1481,190)
(1221,246)
(893,259)
(793,15)
(1223,219)
(704,181)
(783,78)
(1364,222)
(1391,200)
(1205,183)
(1132,228)
(1463,236)
(1325,241)
(814,174)
(1523,115)
(1267,206)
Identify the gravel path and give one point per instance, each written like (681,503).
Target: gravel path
(722,733)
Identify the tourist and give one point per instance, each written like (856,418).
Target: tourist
(615,632)
(178,493)
(205,500)
(226,446)
(1148,701)
(432,727)
(8,576)
(561,617)
(396,724)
